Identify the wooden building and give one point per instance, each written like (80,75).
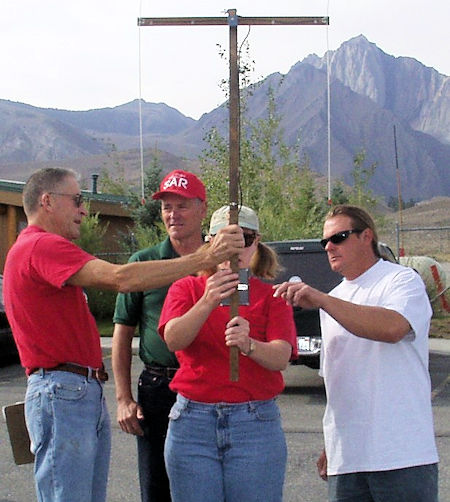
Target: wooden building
(112,210)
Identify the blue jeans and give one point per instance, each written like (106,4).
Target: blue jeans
(156,399)
(225,452)
(70,434)
(412,484)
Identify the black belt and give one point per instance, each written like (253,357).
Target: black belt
(161,371)
(99,374)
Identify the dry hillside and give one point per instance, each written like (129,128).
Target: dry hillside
(423,218)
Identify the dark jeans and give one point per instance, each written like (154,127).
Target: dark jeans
(412,484)
(156,400)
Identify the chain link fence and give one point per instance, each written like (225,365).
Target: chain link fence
(405,242)
(418,241)
(414,241)
(425,248)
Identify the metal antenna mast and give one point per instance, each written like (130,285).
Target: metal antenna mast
(233,20)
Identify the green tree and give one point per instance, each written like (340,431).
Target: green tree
(360,194)
(115,186)
(145,213)
(393,203)
(91,233)
(339,193)
(101,303)
(273,179)
(147,230)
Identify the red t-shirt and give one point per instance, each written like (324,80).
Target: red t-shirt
(50,321)
(204,365)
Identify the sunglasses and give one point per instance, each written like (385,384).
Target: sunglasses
(339,237)
(249,239)
(77,198)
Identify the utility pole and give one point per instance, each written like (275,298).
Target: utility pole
(400,248)
(233,21)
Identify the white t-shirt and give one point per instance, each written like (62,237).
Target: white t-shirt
(378,415)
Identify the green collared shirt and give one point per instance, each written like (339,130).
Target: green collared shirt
(144,309)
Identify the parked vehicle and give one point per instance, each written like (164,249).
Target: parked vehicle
(386,252)
(307,260)
(8,349)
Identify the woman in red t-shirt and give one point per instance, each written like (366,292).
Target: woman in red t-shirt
(225,441)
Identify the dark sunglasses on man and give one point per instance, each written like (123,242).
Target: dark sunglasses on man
(339,237)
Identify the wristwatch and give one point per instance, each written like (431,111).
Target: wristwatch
(251,347)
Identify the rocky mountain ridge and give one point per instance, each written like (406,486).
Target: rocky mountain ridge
(370,93)
(414,93)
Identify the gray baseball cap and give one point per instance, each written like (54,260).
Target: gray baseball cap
(246,217)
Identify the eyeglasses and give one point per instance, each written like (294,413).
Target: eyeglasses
(77,198)
(339,237)
(249,239)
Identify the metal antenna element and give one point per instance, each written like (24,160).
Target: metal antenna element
(233,21)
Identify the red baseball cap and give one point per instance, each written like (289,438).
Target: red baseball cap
(181,183)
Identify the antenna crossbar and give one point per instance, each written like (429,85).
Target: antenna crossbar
(224,21)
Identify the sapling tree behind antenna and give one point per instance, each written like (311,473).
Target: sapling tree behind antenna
(233,20)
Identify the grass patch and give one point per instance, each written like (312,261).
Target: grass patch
(440,327)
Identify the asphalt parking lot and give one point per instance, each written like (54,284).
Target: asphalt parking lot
(301,404)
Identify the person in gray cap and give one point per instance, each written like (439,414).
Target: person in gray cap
(183,208)
(225,441)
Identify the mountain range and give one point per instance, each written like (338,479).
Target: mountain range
(371,92)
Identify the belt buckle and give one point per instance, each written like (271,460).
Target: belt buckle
(170,372)
(100,374)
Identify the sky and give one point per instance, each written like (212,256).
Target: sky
(87,54)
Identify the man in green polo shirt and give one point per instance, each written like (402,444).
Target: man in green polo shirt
(183,208)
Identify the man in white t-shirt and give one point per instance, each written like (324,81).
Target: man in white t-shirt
(378,422)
